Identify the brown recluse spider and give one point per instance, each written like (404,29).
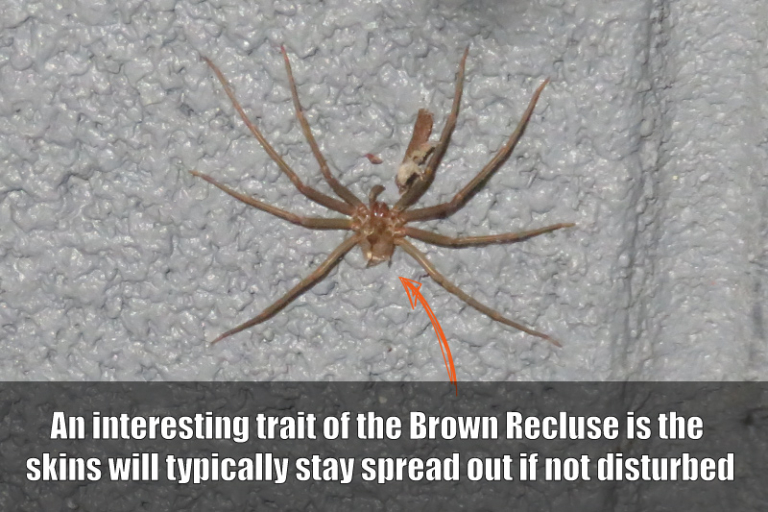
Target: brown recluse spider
(376,227)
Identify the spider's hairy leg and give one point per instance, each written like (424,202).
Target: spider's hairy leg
(307,222)
(460,199)
(342,191)
(313,194)
(503,238)
(420,187)
(421,258)
(320,272)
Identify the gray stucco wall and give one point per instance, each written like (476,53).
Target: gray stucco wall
(117,264)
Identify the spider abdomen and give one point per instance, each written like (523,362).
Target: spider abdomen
(377,249)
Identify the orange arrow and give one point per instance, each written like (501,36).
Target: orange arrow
(414,295)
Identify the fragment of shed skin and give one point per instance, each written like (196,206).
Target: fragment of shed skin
(412,167)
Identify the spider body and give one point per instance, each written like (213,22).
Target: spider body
(376,227)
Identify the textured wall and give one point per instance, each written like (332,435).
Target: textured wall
(117,264)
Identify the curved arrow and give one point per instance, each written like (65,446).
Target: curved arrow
(414,295)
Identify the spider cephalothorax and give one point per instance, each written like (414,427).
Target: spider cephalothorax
(376,227)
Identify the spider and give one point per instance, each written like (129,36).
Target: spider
(374,226)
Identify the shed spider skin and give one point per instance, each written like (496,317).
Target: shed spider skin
(375,227)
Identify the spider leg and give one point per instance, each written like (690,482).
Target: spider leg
(446,209)
(342,191)
(504,238)
(311,193)
(319,273)
(307,222)
(417,190)
(421,258)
